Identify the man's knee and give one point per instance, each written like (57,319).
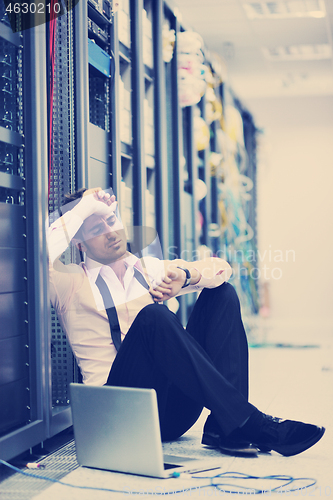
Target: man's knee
(226,290)
(154,311)
(223,294)
(229,290)
(155,320)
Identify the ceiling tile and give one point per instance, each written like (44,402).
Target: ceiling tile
(227,31)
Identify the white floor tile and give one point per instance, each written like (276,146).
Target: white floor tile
(286,382)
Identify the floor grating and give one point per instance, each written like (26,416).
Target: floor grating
(55,466)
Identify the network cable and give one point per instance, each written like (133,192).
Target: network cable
(214,482)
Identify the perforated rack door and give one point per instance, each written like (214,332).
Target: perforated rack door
(15,372)
(62,181)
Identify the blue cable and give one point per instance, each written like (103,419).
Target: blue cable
(213,483)
(256,491)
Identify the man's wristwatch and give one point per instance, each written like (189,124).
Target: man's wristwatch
(188,276)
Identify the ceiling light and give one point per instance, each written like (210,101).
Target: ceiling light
(282,9)
(298,52)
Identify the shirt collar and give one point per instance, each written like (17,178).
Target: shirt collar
(94,267)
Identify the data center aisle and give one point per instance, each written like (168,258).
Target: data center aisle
(290,382)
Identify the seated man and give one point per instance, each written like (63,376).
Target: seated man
(109,307)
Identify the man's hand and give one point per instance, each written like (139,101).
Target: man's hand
(96,201)
(172,283)
(173,280)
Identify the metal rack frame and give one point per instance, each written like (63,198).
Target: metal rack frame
(170,142)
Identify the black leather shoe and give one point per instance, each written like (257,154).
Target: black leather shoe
(287,437)
(229,445)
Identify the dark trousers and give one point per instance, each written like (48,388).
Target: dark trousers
(205,365)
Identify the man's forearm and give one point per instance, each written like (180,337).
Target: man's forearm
(183,264)
(206,273)
(195,275)
(63,230)
(206,269)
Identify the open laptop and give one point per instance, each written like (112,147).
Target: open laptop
(117,429)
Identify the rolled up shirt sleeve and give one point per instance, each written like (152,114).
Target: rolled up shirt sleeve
(60,233)
(63,279)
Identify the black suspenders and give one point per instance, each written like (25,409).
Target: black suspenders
(110,307)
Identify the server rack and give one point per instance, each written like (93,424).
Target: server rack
(61,179)
(115,108)
(24,306)
(13,252)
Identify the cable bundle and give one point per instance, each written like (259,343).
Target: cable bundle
(282,484)
(191,70)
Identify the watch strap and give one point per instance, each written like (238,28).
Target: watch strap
(188,276)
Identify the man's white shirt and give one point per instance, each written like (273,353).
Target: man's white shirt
(80,307)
